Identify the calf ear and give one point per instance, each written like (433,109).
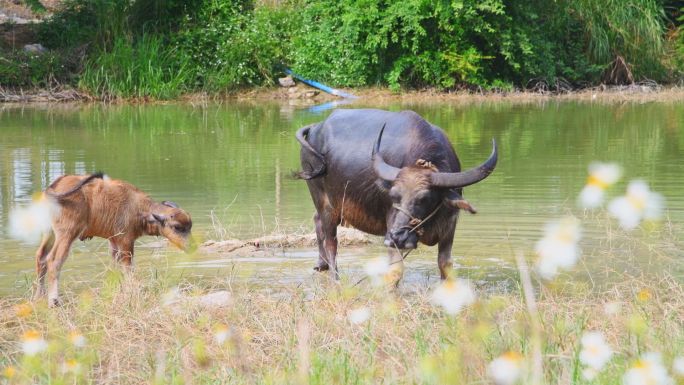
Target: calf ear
(170,204)
(456,200)
(159,218)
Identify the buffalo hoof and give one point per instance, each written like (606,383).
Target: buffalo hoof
(322,266)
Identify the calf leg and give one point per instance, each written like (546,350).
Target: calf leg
(55,260)
(41,264)
(122,252)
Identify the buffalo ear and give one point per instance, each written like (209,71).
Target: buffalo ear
(456,200)
(170,204)
(384,185)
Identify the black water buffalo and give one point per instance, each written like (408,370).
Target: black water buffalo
(409,188)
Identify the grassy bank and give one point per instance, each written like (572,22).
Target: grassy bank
(154,327)
(163,49)
(302,334)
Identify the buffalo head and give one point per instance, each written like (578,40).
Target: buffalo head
(418,191)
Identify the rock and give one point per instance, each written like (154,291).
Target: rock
(35,48)
(177,302)
(214,300)
(309,94)
(287,81)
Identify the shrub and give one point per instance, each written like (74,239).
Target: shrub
(232,45)
(23,69)
(146,68)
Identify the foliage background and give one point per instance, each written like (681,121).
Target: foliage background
(163,48)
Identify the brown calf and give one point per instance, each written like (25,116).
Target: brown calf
(96,206)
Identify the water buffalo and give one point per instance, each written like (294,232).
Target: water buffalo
(96,206)
(408,189)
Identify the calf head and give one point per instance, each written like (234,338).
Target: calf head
(418,191)
(173,223)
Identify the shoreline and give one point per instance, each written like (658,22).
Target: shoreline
(307,96)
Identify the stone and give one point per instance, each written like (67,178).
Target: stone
(35,48)
(287,81)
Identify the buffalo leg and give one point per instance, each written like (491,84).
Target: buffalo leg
(396,267)
(41,264)
(322,264)
(329,224)
(55,260)
(444,253)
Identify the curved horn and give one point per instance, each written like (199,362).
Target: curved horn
(466,178)
(384,170)
(170,204)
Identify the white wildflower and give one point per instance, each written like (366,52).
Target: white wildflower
(639,204)
(359,315)
(678,367)
(77,339)
(649,369)
(170,297)
(601,176)
(33,343)
(558,248)
(589,373)
(547,268)
(612,308)
(505,369)
(71,366)
(221,334)
(453,295)
(376,269)
(28,224)
(595,351)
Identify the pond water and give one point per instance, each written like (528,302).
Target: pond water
(229,165)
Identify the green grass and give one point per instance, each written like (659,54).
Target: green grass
(145,69)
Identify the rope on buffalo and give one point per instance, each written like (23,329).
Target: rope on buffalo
(416,223)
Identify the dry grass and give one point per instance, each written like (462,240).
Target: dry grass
(277,334)
(300,333)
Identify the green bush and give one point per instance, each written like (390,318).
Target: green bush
(231,45)
(23,69)
(442,44)
(632,29)
(146,68)
(145,47)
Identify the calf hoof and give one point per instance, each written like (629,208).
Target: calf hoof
(38,295)
(321,266)
(54,302)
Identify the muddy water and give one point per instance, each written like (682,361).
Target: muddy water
(230,166)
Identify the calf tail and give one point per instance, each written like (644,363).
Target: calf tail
(315,172)
(97,175)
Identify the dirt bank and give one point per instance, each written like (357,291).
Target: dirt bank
(272,243)
(632,93)
(304,96)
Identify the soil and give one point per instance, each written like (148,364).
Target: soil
(270,244)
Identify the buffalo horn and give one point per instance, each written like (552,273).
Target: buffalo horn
(466,178)
(384,170)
